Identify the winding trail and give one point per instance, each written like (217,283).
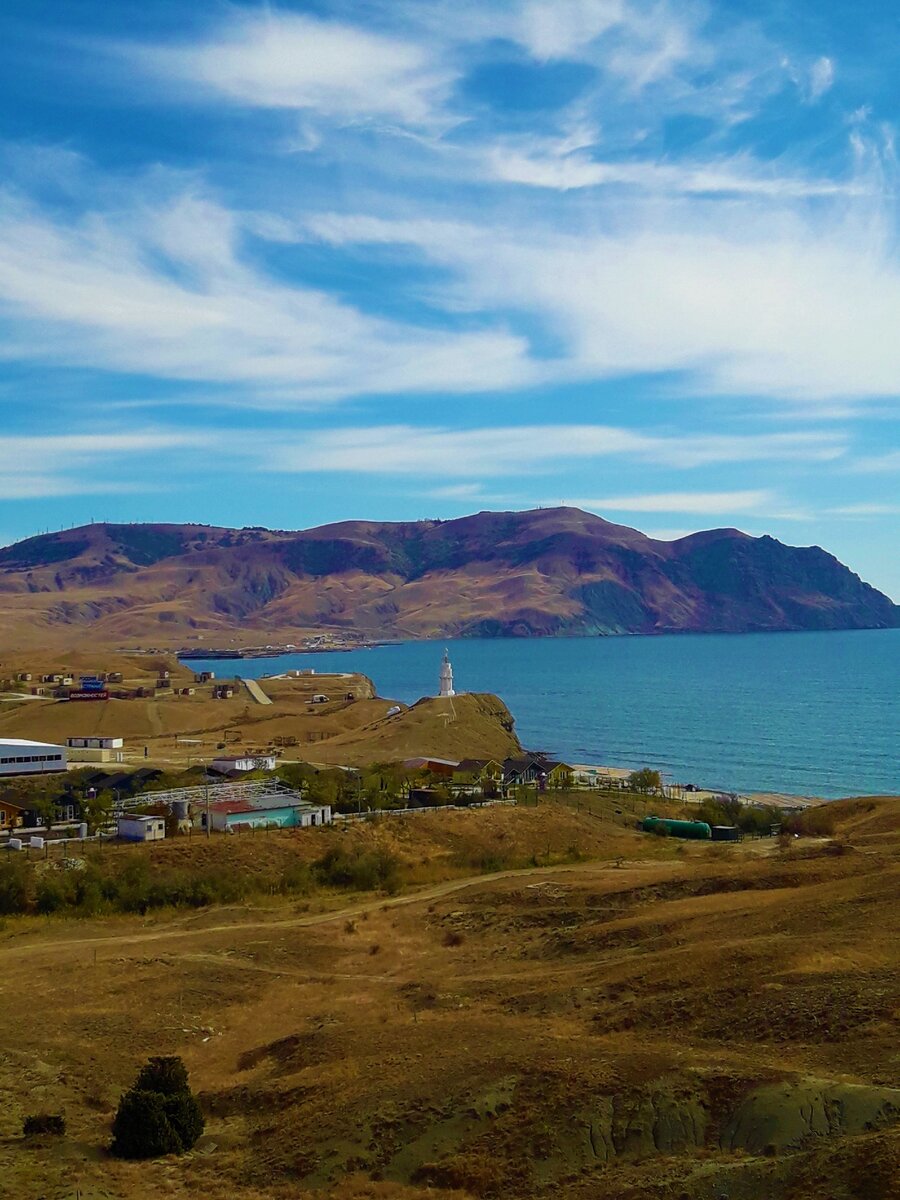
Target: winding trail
(12,949)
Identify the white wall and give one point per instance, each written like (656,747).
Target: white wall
(31,760)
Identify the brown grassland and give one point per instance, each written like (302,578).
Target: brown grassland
(609,1014)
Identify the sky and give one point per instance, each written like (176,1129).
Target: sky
(397,259)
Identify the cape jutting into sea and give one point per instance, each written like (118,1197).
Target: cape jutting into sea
(802,713)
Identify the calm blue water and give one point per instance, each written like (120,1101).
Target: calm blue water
(805,713)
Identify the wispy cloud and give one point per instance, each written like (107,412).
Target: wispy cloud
(821,77)
(791,302)
(80,464)
(494,452)
(565,172)
(865,509)
(294,61)
(707,503)
(166,290)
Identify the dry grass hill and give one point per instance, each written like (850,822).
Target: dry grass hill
(549,571)
(640,1020)
(351,728)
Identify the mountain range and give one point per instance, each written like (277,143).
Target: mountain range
(537,573)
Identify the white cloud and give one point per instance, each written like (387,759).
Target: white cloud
(493,452)
(578,170)
(271,59)
(876,463)
(457,491)
(821,77)
(787,301)
(565,28)
(42,466)
(865,510)
(165,290)
(707,503)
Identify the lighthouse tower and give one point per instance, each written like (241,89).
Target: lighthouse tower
(446,676)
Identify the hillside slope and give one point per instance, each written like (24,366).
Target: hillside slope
(544,572)
(667,1022)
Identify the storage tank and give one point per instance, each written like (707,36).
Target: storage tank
(698,830)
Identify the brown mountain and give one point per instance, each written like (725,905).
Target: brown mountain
(544,572)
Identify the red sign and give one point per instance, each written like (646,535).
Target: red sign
(88,695)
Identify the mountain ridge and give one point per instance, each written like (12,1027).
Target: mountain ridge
(541,572)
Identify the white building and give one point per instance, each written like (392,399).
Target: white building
(245,762)
(21,757)
(446,676)
(139,828)
(96,749)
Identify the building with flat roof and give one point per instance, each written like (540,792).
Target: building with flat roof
(18,756)
(265,812)
(96,749)
(244,762)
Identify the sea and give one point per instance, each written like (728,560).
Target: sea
(809,714)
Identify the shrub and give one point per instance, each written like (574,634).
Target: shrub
(44,1123)
(453,938)
(14,879)
(159,1115)
(142,1128)
(51,895)
(360,871)
(165,1074)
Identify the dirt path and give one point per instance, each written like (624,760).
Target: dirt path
(425,895)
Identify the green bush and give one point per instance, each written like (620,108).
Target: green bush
(39,1124)
(14,886)
(165,1074)
(159,1114)
(142,1128)
(360,871)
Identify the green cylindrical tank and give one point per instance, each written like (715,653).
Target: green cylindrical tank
(698,830)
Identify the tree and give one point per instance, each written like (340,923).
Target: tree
(645,780)
(97,810)
(159,1114)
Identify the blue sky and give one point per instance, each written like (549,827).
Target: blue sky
(287,264)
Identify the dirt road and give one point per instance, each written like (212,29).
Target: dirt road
(17,949)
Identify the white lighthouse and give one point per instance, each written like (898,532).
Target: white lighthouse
(446,676)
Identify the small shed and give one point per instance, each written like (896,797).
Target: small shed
(135,827)
(726,833)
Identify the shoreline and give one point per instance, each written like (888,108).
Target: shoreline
(785,800)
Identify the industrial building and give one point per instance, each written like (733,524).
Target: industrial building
(19,756)
(97,749)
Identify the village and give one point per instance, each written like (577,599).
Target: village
(96,786)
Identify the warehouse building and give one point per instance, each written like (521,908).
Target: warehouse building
(21,757)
